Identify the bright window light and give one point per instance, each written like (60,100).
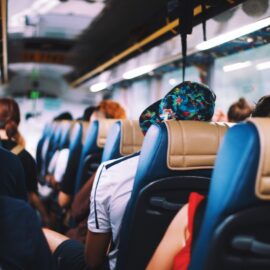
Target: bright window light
(263,66)
(98,87)
(250,28)
(38,7)
(237,66)
(138,72)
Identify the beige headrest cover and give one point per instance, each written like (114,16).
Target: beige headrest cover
(262,186)
(85,126)
(193,144)
(131,137)
(104,126)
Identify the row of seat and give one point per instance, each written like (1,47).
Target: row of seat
(88,145)
(178,157)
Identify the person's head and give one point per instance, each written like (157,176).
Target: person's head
(186,101)
(87,113)
(108,109)
(63,116)
(9,116)
(219,116)
(239,111)
(262,108)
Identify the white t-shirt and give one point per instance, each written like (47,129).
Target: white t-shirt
(53,161)
(109,197)
(61,164)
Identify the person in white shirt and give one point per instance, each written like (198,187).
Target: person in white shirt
(57,167)
(114,182)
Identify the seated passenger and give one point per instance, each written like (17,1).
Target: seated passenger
(114,180)
(63,116)
(219,116)
(239,111)
(262,108)
(12,176)
(106,109)
(10,138)
(23,245)
(174,249)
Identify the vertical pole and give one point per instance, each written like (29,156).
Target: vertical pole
(4,52)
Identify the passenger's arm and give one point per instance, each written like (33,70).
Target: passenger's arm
(173,241)
(54,239)
(99,224)
(36,201)
(63,199)
(96,248)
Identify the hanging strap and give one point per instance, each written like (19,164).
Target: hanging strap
(204,19)
(16,150)
(185,26)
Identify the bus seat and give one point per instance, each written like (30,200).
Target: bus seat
(66,128)
(92,149)
(125,138)
(46,148)
(53,144)
(235,230)
(45,134)
(75,149)
(177,158)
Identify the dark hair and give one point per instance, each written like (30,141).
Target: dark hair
(9,116)
(63,116)
(88,112)
(262,108)
(239,111)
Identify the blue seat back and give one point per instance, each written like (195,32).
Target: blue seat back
(158,167)
(125,138)
(95,140)
(75,149)
(231,194)
(66,127)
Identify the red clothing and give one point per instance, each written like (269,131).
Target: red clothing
(182,259)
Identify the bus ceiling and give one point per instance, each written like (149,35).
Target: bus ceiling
(89,37)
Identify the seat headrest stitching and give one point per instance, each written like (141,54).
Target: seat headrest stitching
(183,142)
(219,134)
(262,170)
(122,129)
(133,136)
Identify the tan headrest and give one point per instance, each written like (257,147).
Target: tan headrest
(193,144)
(262,186)
(131,137)
(103,130)
(85,126)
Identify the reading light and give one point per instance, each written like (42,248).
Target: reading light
(236,66)
(98,87)
(137,72)
(263,66)
(216,41)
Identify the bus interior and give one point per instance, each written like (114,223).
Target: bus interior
(70,64)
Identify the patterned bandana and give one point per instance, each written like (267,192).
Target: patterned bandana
(186,101)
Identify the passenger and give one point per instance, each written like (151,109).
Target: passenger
(12,177)
(239,111)
(63,116)
(114,181)
(23,245)
(219,116)
(262,108)
(174,249)
(87,113)
(10,139)
(106,109)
